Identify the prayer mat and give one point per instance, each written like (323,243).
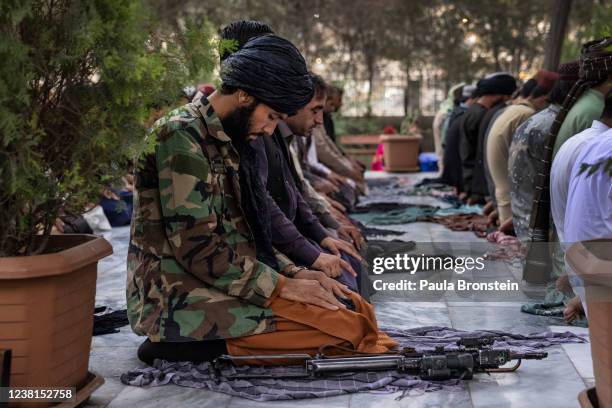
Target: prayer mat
(553,309)
(552,305)
(382,182)
(391,191)
(434,182)
(384,207)
(407,184)
(453,200)
(508,248)
(463,222)
(373,232)
(269,389)
(412,213)
(462,209)
(400,216)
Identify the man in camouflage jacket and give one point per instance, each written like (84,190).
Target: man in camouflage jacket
(192,267)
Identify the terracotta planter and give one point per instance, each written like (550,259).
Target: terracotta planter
(46,311)
(401,152)
(592,261)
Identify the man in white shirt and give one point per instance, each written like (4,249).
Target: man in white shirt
(562,168)
(589,197)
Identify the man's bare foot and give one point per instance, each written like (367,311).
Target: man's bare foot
(573,310)
(492,218)
(507,227)
(488,208)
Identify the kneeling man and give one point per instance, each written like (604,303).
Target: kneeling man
(199,281)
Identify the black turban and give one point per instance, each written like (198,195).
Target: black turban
(596,60)
(273,71)
(497,84)
(240,32)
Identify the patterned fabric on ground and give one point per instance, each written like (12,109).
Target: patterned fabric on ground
(508,248)
(412,213)
(382,182)
(552,305)
(463,209)
(384,207)
(269,389)
(463,222)
(373,232)
(399,216)
(392,190)
(554,309)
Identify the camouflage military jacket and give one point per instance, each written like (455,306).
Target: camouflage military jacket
(192,271)
(525,153)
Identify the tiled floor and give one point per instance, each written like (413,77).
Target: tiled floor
(554,382)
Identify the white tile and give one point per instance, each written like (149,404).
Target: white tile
(407,315)
(580,356)
(507,318)
(106,393)
(456,399)
(169,396)
(572,329)
(340,401)
(552,382)
(484,304)
(114,361)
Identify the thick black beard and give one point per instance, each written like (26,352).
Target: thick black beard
(252,188)
(237,125)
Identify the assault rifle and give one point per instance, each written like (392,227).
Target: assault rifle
(473,355)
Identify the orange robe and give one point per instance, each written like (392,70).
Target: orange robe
(302,328)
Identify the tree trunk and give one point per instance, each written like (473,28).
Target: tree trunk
(496,56)
(371,68)
(558,24)
(407,86)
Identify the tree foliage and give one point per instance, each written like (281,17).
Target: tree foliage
(78,81)
(590,19)
(460,39)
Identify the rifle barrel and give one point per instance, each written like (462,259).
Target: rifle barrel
(393,362)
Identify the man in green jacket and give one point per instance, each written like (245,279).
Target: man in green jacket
(596,70)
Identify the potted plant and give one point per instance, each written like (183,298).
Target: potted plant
(78,81)
(401,151)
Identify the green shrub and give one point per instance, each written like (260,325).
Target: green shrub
(78,81)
